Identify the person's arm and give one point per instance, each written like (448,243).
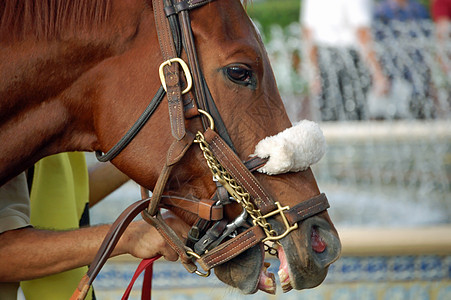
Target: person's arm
(104,178)
(309,16)
(365,39)
(29,253)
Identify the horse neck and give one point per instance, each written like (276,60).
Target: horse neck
(38,116)
(45,103)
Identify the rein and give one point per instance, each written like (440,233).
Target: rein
(212,240)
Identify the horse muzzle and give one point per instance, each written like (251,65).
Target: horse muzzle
(306,253)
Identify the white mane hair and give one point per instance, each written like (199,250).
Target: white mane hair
(292,150)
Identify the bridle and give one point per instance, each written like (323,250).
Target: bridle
(212,240)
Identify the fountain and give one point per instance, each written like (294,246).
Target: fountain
(392,168)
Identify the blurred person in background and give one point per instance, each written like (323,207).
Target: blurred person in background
(441,13)
(342,64)
(402,28)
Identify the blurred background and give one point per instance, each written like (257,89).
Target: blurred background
(376,75)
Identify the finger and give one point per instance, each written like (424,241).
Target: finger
(169,254)
(178,225)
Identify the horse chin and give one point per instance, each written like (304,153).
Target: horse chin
(240,272)
(306,254)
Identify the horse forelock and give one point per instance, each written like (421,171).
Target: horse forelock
(50,19)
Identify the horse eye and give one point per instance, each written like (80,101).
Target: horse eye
(239,75)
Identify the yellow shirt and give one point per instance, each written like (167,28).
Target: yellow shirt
(59,194)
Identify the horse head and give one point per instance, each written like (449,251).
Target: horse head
(98,100)
(240,80)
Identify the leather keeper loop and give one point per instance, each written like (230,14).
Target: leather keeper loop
(190,107)
(178,148)
(169,11)
(205,209)
(181,6)
(208,211)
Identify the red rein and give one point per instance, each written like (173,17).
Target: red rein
(146,265)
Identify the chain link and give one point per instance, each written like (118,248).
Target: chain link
(233,187)
(271,250)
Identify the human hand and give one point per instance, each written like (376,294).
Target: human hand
(144,241)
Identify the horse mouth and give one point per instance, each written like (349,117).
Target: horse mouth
(305,255)
(267,281)
(297,270)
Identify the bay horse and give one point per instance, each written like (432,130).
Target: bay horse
(75,75)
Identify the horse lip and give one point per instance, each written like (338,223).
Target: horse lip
(229,271)
(306,268)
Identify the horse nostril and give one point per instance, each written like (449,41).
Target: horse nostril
(317,242)
(324,244)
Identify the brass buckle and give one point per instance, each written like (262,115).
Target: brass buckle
(189,80)
(197,272)
(288,229)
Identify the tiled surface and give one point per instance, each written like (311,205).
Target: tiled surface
(372,278)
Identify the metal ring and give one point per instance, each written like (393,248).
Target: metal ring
(210,118)
(197,272)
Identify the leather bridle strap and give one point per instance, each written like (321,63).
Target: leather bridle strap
(171,70)
(254,235)
(232,248)
(202,92)
(145,116)
(203,96)
(134,130)
(183,6)
(176,151)
(183,139)
(307,208)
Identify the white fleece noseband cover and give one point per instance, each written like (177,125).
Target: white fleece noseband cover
(292,150)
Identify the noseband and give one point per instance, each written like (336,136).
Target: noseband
(212,240)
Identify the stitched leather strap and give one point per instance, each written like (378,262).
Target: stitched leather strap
(231,248)
(171,71)
(307,209)
(210,236)
(176,151)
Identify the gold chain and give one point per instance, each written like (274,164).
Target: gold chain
(234,188)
